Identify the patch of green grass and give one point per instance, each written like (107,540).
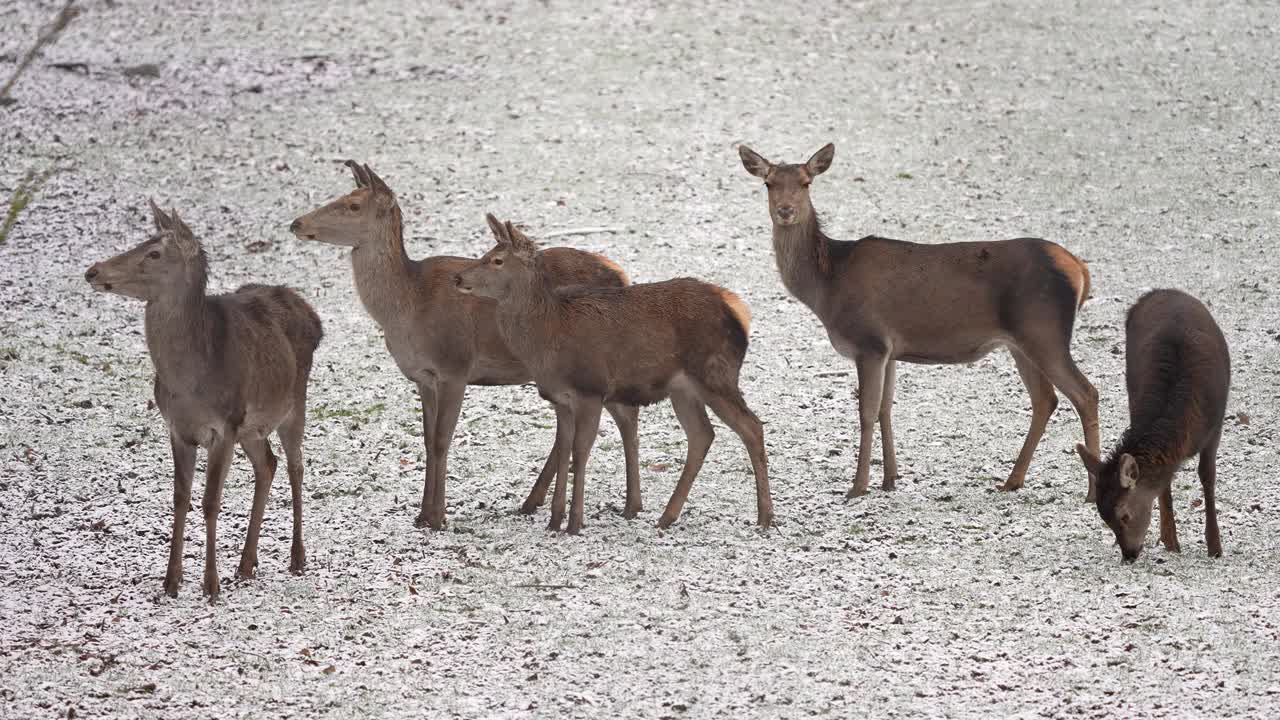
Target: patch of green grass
(324,412)
(904,176)
(28,186)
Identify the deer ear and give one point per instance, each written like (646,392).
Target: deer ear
(1091,461)
(358,173)
(157,216)
(1128,472)
(521,245)
(754,162)
(821,160)
(499,231)
(183,238)
(375,182)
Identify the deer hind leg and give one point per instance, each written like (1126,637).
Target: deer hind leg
(538,493)
(1208,480)
(184,468)
(586,425)
(627,418)
(733,410)
(264,471)
(1063,373)
(562,450)
(699,434)
(886,427)
(1043,402)
(871,377)
(220,453)
(291,432)
(427,392)
(1168,526)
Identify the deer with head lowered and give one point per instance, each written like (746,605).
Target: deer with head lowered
(884,300)
(637,345)
(443,340)
(229,369)
(1178,374)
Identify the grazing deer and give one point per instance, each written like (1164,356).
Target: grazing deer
(229,369)
(1178,374)
(884,300)
(441,339)
(636,345)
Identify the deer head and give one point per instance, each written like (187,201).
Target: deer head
(353,219)
(788,184)
(170,260)
(508,264)
(1124,501)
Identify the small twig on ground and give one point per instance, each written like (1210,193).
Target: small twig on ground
(546,586)
(583,231)
(28,186)
(48,35)
(832,373)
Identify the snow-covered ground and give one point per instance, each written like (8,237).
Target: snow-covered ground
(1139,135)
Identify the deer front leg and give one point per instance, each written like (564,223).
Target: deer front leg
(220,454)
(264,470)
(586,426)
(427,392)
(886,427)
(871,370)
(627,418)
(564,443)
(1208,481)
(184,467)
(449,394)
(1168,526)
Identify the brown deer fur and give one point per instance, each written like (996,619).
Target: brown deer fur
(1178,374)
(229,369)
(683,339)
(441,339)
(884,300)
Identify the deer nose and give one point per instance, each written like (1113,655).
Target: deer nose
(786,213)
(91,273)
(295,225)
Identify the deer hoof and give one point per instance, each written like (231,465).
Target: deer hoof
(666,521)
(555,522)
(171,587)
(631,513)
(245,573)
(529,507)
(765,521)
(575,528)
(854,492)
(297,563)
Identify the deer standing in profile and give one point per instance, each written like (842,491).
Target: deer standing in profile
(443,340)
(884,300)
(684,339)
(1178,374)
(229,369)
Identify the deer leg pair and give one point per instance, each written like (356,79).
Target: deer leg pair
(441,405)
(877,376)
(577,423)
(1042,371)
(626,417)
(184,461)
(264,469)
(690,405)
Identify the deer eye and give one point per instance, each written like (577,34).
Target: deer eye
(497,261)
(154,254)
(355,207)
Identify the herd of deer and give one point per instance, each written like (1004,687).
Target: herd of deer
(234,368)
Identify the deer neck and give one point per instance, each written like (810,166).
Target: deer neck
(801,251)
(385,277)
(180,330)
(527,316)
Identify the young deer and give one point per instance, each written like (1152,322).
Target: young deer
(441,339)
(886,300)
(1178,373)
(635,345)
(229,369)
